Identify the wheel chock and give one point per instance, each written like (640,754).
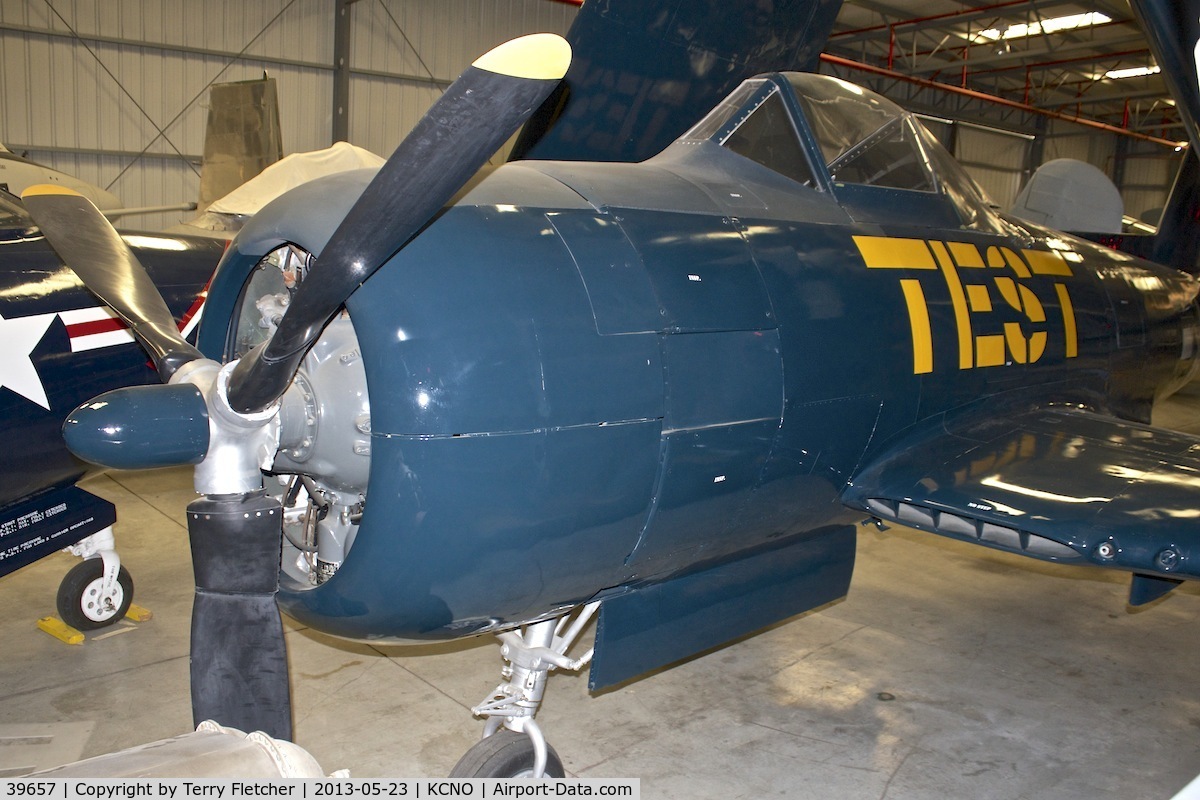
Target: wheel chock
(60,630)
(138,614)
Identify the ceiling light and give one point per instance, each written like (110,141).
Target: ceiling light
(1055,25)
(1131,72)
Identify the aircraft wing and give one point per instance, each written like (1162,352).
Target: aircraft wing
(1058,484)
(644,71)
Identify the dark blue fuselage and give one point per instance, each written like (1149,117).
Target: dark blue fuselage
(588,378)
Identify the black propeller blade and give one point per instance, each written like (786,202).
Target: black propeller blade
(90,246)
(239,663)
(486,105)
(239,669)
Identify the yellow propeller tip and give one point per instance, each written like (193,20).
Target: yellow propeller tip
(538,56)
(47,188)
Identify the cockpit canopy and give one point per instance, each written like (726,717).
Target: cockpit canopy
(829,134)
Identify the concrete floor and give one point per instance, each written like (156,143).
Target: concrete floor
(950,671)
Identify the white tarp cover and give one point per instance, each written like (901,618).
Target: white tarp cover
(291,171)
(1073,196)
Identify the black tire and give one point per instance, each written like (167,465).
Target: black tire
(78,596)
(505,754)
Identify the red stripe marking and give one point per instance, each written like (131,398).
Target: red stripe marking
(196,304)
(191,312)
(98,326)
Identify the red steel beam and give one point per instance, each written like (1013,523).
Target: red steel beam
(991,98)
(948,15)
(988,44)
(1061,61)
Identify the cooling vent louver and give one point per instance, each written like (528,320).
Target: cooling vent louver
(961,527)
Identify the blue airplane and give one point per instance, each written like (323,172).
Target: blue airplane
(660,395)
(62,346)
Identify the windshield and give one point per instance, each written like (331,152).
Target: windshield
(730,113)
(863,139)
(768,137)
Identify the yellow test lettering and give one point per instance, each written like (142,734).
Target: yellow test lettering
(978,283)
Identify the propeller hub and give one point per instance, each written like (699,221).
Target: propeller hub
(240,445)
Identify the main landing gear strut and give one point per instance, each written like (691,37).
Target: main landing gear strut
(98,591)
(513,745)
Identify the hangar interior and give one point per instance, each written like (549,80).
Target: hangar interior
(948,670)
(117,94)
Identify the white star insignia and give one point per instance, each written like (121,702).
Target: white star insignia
(18,338)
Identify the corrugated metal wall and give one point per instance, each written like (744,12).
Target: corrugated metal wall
(88,85)
(1148,177)
(1065,140)
(995,159)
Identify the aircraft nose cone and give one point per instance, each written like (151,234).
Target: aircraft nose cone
(140,427)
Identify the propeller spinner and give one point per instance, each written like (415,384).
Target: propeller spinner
(226,418)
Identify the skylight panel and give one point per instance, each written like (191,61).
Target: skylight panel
(1132,72)
(1055,25)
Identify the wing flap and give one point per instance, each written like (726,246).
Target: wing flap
(1057,484)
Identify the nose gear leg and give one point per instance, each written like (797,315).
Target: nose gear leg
(530,654)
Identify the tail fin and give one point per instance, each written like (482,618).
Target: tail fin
(242,138)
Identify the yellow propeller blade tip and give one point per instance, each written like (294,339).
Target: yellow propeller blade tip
(538,56)
(47,188)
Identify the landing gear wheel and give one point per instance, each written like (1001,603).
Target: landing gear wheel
(81,603)
(505,754)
